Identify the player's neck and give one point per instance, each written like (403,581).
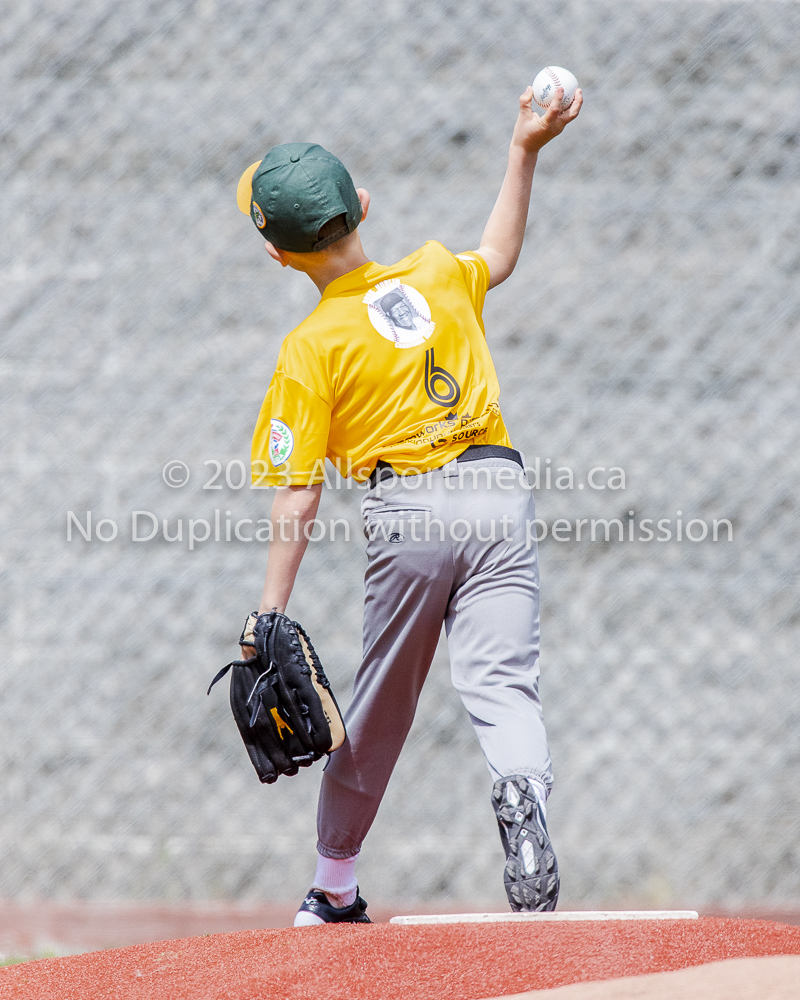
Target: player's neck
(328,265)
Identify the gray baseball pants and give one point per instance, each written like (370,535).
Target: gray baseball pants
(449,546)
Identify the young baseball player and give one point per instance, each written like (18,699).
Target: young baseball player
(390,378)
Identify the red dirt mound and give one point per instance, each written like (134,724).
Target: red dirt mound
(379,962)
(770,977)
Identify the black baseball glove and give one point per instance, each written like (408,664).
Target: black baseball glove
(281,699)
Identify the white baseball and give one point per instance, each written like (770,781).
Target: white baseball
(546,82)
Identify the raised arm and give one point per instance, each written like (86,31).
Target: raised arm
(502,238)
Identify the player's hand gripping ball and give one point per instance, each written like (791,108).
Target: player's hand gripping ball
(548,81)
(533,131)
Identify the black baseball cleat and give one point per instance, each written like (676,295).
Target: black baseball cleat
(315,909)
(531,872)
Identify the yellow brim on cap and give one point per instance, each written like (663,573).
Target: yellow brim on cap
(244,190)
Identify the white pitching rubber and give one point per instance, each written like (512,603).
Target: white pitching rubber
(513,918)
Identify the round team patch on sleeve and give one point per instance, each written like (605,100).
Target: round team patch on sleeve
(399,313)
(281,442)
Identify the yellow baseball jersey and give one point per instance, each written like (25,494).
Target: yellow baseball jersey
(392,365)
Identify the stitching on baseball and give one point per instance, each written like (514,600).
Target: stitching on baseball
(553,76)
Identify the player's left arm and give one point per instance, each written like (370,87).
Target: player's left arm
(502,238)
(292,509)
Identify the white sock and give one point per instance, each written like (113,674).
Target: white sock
(541,794)
(336,877)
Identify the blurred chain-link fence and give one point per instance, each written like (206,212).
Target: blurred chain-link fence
(651,327)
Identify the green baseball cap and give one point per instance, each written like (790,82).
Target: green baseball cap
(294,191)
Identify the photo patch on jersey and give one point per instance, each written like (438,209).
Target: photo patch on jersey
(399,313)
(258,216)
(281,442)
